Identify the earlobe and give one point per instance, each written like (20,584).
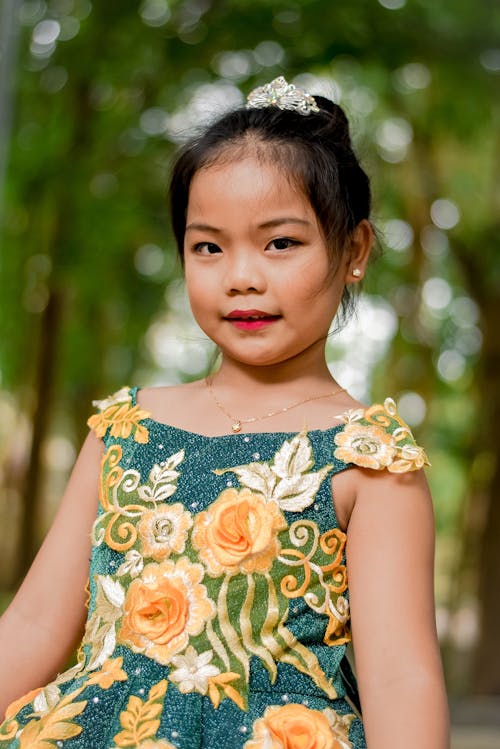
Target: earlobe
(361,245)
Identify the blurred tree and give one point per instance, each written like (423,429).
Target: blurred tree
(104,93)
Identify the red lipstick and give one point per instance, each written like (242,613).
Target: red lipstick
(250,319)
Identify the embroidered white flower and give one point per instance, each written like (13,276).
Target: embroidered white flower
(193,671)
(164,530)
(121,396)
(133,564)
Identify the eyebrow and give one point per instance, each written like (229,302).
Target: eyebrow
(203,227)
(284,220)
(265,225)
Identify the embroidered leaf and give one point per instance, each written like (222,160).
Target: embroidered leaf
(113,591)
(56,725)
(46,699)
(70,674)
(222,682)
(100,632)
(158,691)
(141,434)
(351,416)
(294,457)
(214,694)
(151,712)
(140,720)
(102,645)
(124,419)
(174,460)
(234,695)
(298,492)
(255,476)
(162,480)
(110,673)
(133,564)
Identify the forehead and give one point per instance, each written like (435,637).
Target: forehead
(245,187)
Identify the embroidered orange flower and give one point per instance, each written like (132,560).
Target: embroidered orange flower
(155,744)
(295,726)
(365,446)
(164,530)
(164,607)
(21,702)
(238,533)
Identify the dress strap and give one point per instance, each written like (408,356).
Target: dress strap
(120,416)
(378,438)
(133,394)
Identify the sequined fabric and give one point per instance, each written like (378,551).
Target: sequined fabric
(218,613)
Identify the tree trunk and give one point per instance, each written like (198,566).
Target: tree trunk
(44,390)
(486,670)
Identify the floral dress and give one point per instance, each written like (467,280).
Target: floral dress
(218,602)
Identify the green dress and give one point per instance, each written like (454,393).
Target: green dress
(218,602)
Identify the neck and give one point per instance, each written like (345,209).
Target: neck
(308,368)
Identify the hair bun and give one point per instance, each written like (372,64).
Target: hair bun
(338,120)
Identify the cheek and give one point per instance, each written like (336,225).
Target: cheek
(313,282)
(201,295)
(195,283)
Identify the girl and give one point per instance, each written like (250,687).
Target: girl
(218,607)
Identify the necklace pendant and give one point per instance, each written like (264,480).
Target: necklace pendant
(236,426)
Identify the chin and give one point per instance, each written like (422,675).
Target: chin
(259,358)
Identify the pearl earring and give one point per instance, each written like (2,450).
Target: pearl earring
(356,272)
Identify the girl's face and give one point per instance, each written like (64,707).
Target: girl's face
(257,269)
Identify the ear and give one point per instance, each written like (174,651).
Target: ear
(361,247)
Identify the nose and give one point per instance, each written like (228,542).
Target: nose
(244,273)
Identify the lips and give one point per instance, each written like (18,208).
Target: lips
(250,314)
(251,319)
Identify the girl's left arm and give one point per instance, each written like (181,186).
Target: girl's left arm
(390,562)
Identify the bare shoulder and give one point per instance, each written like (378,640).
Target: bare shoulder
(368,492)
(173,404)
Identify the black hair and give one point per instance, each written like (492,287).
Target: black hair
(315,150)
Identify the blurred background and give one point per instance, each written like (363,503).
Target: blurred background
(94,99)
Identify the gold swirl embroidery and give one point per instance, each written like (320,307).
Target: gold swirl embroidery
(290,586)
(8,730)
(297,655)
(378,416)
(319,567)
(114,526)
(300,533)
(384,416)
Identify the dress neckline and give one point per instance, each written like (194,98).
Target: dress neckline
(231,435)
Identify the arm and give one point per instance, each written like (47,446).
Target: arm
(390,559)
(44,621)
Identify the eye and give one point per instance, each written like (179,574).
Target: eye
(206,248)
(282,243)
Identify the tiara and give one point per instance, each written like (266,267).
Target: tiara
(283,95)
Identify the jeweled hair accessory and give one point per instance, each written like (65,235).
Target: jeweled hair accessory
(283,95)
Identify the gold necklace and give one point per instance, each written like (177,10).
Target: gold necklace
(237,423)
